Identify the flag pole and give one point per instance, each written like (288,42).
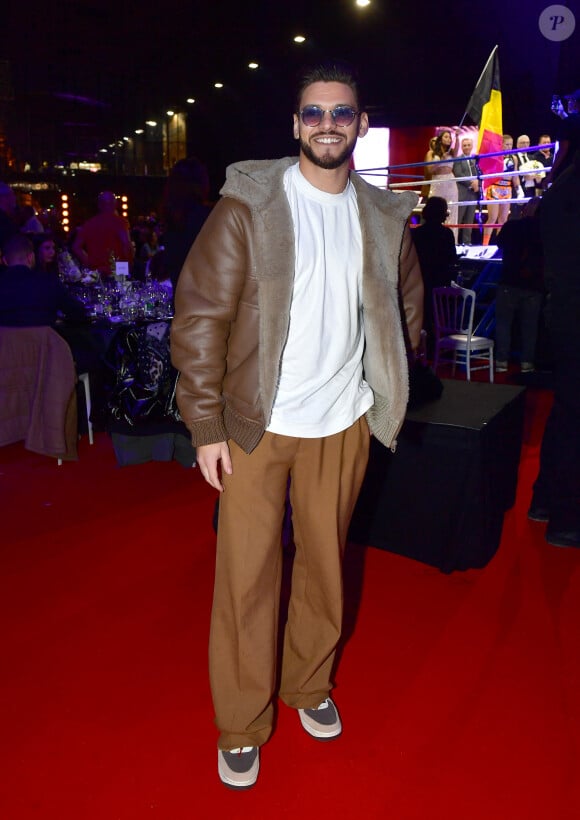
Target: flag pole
(489,59)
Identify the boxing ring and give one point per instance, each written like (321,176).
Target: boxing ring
(400,178)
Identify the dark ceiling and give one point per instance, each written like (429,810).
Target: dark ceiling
(85,73)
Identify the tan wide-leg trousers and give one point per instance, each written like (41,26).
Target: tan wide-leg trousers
(326,476)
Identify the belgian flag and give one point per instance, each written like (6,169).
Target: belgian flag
(484,108)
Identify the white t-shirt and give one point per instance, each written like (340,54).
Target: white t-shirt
(321,388)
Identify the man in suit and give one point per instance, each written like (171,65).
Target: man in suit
(468,189)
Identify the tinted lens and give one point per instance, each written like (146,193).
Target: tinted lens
(343,115)
(312,115)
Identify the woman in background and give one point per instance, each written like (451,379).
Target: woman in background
(443,182)
(45,254)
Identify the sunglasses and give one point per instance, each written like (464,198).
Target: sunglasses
(342,115)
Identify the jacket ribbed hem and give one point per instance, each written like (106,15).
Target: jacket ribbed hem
(207,431)
(230,425)
(242,430)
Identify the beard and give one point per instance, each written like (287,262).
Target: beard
(328,161)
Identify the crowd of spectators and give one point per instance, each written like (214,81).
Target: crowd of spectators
(153,246)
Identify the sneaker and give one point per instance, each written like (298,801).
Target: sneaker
(538,513)
(563,538)
(323,722)
(527,367)
(238,768)
(501,367)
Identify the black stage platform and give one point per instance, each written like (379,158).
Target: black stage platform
(441,497)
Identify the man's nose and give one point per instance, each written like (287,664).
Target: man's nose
(327,120)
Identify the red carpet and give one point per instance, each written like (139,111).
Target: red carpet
(460,693)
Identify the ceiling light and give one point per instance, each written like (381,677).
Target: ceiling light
(218,85)
(253,65)
(170,113)
(139,131)
(362,3)
(190,100)
(152,123)
(299,39)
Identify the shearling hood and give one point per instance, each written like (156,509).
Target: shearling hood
(256,181)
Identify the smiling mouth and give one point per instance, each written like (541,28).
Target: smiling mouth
(327,139)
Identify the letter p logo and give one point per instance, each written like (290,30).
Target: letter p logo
(557,23)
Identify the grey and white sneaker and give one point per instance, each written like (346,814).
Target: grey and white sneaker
(238,768)
(323,722)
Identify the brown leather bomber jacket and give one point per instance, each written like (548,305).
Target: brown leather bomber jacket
(232,306)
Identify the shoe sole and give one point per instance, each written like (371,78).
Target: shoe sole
(563,544)
(539,517)
(236,788)
(240,784)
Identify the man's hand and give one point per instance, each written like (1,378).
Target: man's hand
(208,458)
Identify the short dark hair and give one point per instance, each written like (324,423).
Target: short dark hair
(435,210)
(16,247)
(332,71)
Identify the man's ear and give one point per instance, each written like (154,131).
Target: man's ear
(363,125)
(295,127)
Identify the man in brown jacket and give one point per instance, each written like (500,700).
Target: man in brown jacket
(290,344)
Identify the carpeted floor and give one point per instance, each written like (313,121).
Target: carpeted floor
(460,694)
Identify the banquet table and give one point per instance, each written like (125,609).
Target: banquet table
(124,345)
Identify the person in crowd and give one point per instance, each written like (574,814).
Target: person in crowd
(441,174)
(527,162)
(8,224)
(437,254)
(45,254)
(29,298)
(545,156)
(500,190)
(159,274)
(150,244)
(520,290)
(467,189)
(556,494)
(290,343)
(31,224)
(568,136)
(104,238)
(184,210)
(147,247)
